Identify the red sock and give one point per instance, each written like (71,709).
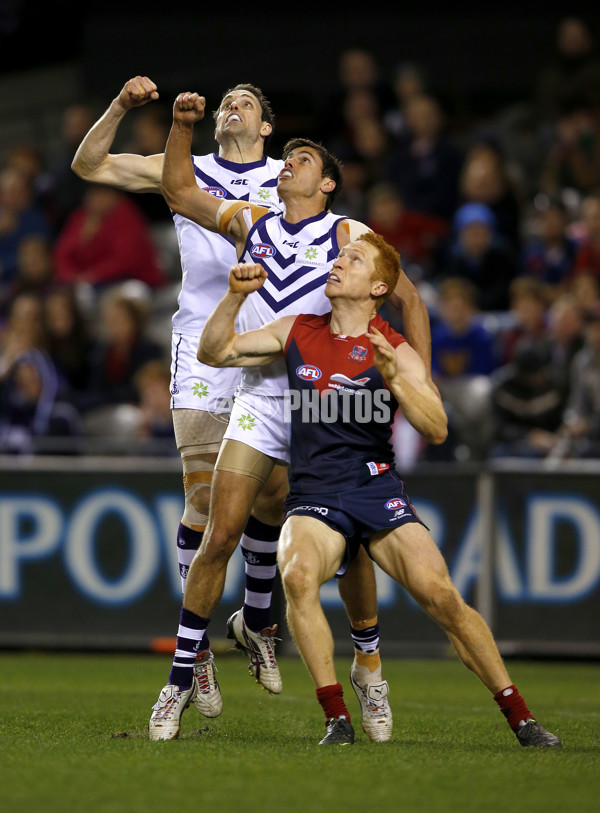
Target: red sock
(512,706)
(331,699)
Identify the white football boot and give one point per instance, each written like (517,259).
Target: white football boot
(260,648)
(165,721)
(207,700)
(372,693)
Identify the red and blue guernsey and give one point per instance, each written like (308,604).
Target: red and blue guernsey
(339,405)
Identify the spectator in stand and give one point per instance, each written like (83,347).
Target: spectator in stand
(485,179)
(22,332)
(33,420)
(67,189)
(35,272)
(29,160)
(122,349)
(573,73)
(19,218)
(351,201)
(410,81)
(587,256)
(69,341)
(155,430)
(586,290)
(424,163)
(463,356)
(107,241)
(573,157)
(579,435)
(549,255)
(415,235)
(358,73)
(527,402)
(477,254)
(529,309)
(460,344)
(566,336)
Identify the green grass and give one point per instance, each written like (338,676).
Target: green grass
(73,738)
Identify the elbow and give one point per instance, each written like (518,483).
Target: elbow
(204,357)
(439,433)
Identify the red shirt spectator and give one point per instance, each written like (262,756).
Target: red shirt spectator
(106,241)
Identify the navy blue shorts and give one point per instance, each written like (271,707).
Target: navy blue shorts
(358,514)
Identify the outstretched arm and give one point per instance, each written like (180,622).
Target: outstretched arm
(406,376)
(127,171)
(221,346)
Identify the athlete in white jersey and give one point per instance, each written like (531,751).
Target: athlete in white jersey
(301,245)
(239,171)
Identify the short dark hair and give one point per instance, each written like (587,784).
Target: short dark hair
(265,105)
(332,166)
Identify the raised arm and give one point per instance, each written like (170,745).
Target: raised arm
(127,171)
(406,376)
(179,186)
(221,346)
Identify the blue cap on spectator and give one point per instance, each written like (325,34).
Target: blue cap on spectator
(474,213)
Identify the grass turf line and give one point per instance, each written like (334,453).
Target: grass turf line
(73,737)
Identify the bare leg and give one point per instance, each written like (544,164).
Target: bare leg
(410,556)
(358,589)
(269,504)
(231,501)
(309,555)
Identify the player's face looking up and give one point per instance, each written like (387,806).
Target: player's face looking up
(303,174)
(240,115)
(352,274)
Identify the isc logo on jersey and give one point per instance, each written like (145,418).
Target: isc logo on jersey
(262,250)
(394,503)
(308,372)
(216,191)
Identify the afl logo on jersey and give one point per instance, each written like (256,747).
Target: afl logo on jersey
(216,191)
(262,250)
(308,372)
(395,503)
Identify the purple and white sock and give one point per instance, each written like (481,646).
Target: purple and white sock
(188,542)
(259,549)
(191,640)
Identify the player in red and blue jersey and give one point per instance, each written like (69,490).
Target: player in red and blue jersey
(345,491)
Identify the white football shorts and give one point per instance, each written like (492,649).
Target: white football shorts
(258,421)
(197,386)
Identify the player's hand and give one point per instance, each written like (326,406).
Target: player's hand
(189,108)
(137,92)
(244,278)
(384,354)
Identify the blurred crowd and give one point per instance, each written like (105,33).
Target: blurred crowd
(497,221)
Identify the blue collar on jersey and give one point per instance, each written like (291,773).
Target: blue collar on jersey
(235,167)
(294,228)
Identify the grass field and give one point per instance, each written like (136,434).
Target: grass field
(73,738)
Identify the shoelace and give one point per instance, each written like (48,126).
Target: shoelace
(255,653)
(205,681)
(375,708)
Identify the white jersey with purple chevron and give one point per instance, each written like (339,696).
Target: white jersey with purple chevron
(206,256)
(297,258)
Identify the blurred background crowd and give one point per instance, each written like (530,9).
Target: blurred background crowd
(496,218)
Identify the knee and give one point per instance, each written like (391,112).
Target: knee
(299,581)
(217,547)
(444,604)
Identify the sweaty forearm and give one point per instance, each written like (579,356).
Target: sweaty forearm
(178,174)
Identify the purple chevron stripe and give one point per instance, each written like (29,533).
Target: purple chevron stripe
(276,307)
